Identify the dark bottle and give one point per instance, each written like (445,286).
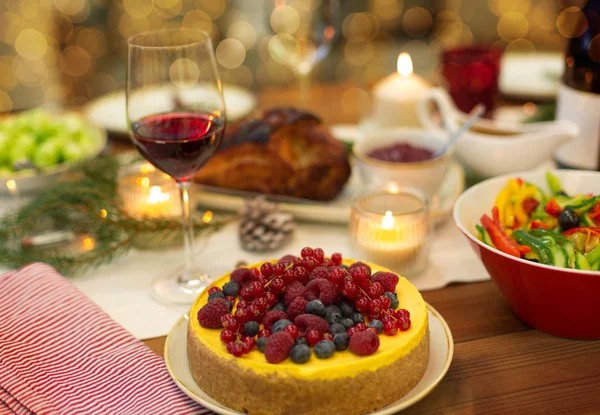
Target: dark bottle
(579,92)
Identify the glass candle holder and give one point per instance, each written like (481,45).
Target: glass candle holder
(148,192)
(391,227)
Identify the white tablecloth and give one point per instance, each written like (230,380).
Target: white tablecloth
(123,288)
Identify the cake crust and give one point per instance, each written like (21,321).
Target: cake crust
(246,391)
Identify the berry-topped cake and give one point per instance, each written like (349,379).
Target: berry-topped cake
(308,335)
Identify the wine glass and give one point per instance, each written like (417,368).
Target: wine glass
(176,115)
(305,31)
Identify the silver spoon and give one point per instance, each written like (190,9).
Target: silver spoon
(474,116)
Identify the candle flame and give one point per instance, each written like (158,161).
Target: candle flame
(387,222)
(87,243)
(157,196)
(405,66)
(11,185)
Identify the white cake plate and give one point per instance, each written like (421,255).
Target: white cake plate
(441,351)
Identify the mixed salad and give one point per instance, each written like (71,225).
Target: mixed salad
(40,139)
(553,229)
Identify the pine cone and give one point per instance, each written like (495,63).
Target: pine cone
(263,227)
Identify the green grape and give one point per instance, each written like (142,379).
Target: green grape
(47,154)
(73,151)
(22,148)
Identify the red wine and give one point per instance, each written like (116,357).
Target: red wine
(178,143)
(579,92)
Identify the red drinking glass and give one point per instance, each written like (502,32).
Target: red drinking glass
(471,75)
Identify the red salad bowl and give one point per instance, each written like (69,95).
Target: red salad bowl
(559,301)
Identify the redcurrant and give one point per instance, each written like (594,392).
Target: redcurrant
(403,323)
(257,289)
(230,322)
(227,336)
(350,289)
(243,315)
(313,337)
(375,306)
(270,298)
(246,294)
(213,290)
(266,269)
(292,330)
(264,333)
(289,275)
(235,348)
(278,269)
(248,343)
(385,301)
(337,276)
(360,326)
(301,275)
(261,303)
(319,255)
(327,336)
(307,252)
(361,276)
(402,312)
(242,304)
(390,328)
(351,331)
(309,263)
(361,304)
(373,329)
(254,311)
(277,286)
(336,258)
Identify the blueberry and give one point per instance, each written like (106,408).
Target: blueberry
(347,322)
(377,324)
(341,341)
(279,325)
(232,288)
(301,340)
(358,318)
(315,307)
(324,349)
(251,329)
(261,343)
(336,328)
(280,307)
(347,309)
(333,314)
(216,294)
(394,303)
(300,353)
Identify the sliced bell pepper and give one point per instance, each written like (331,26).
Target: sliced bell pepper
(594,255)
(538,224)
(595,211)
(541,250)
(553,208)
(583,229)
(529,205)
(499,238)
(524,193)
(585,205)
(484,236)
(503,200)
(557,238)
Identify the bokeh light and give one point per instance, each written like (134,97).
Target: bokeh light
(571,22)
(184,73)
(230,53)
(513,26)
(242,31)
(417,21)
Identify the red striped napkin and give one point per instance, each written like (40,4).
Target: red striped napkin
(60,354)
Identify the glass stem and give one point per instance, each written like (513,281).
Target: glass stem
(304,87)
(188,232)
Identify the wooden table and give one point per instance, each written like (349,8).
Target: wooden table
(500,366)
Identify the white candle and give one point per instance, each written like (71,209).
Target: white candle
(391,229)
(395,98)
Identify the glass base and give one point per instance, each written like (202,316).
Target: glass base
(171,290)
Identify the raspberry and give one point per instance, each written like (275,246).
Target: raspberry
(313,337)
(364,343)
(210,315)
(321,289)
(301,275)
(361,264)
(336,258)
(295,289)
(297,307)
(308,322)
(272,316)
(319,272)
(389,280)
(278,347)
(243,276)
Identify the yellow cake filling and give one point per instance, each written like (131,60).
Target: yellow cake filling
(342,364)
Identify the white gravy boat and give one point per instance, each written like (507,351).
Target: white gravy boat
(492,148)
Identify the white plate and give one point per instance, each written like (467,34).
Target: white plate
(109,110)
(441,351)
(338,210)
(531,76)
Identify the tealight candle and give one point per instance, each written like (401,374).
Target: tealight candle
(148,192)
(395,98)
(391,227)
